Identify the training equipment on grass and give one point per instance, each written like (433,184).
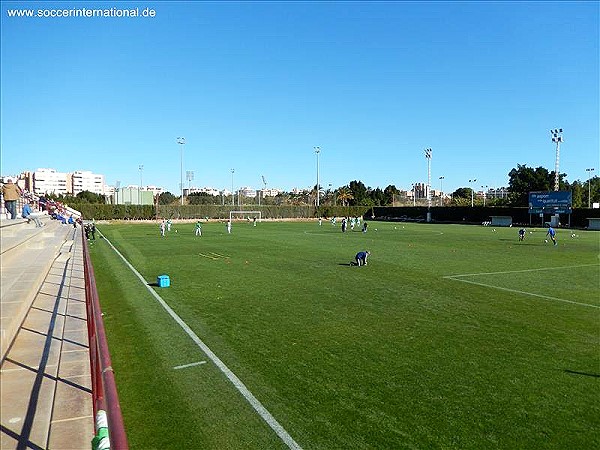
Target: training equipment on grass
(163,281)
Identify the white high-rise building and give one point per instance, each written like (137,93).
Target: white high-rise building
(49,181)
(88,181)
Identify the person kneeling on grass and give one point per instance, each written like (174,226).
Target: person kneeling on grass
(361,258)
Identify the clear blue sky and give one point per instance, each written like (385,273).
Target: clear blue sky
(255,86)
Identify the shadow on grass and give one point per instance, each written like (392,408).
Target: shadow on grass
(350,264)
(575,372)
(155,284)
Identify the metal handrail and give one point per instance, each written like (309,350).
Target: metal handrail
(104,389)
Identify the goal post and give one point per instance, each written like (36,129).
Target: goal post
(245,215)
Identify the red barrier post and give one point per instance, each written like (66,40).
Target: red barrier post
(104,389)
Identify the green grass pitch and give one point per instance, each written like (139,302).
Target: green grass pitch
(453,337)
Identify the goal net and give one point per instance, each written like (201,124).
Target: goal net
(245,215)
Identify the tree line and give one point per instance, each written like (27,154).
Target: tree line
(522,180)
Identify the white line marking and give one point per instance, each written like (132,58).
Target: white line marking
(547,297)
(519,271)
(185,366)
(207,256)
(71,419)
(250,398)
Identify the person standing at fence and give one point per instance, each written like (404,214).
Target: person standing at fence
(11,193)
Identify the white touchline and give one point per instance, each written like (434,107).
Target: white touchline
(257,405)
(456,278)
(185,366)
(519,271)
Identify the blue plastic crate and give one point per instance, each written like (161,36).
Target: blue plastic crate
(163,281)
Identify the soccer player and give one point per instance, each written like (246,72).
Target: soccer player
(198,228)
(361,258)
(522,232)
(552,233)
(229,226)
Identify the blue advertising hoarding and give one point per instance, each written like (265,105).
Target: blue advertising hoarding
(551,202)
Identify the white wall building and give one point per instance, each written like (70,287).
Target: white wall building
(247,191)
(207,190)
(49,181)
(88,181)
(270,192)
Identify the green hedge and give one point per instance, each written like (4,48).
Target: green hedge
(147,212)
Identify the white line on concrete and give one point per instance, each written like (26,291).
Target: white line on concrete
(70,419)
(516,291)
(185,366)
(239,385)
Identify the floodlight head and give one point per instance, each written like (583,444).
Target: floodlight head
(560,130)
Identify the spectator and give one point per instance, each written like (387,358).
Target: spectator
(28,214)
(11,193)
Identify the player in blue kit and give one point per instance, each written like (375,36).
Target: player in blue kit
(552,233)
(361,258)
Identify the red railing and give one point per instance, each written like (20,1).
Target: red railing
(104,389)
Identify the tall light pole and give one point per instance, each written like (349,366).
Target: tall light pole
(441,191)
(556,137)
(232,193)
(181,142)
(117,186)
(317,151)
(141,167)
(428,157)
(414,194)
(589,186)
(189,175)
(472,181)
(484,188)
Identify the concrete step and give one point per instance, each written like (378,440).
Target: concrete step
(46,397)
(25,265)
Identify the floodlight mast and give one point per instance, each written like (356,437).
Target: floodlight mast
(590,170)
(189,175)
(317,151)
(558,138)
(181,142)
(428,157)
(232,193)
(141,168)
(472,192)
(264,188)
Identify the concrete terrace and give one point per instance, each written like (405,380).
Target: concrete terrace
(45,383)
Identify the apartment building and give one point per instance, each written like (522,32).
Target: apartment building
(87,181)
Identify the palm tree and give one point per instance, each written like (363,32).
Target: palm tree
(344,194)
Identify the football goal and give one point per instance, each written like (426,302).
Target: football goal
(245,215)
